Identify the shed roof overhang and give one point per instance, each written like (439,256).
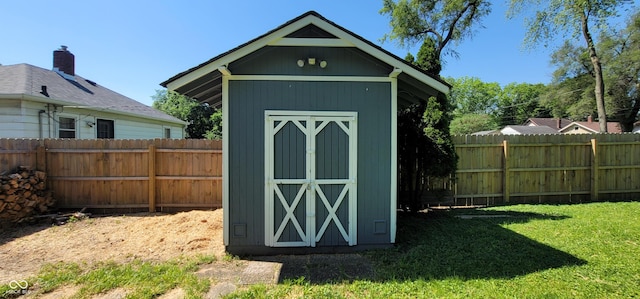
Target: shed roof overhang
(204,82)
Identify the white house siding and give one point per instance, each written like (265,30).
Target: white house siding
(509,131)
(13,124)
(130,128)
(19,119)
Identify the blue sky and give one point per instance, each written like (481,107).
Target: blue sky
(132,46)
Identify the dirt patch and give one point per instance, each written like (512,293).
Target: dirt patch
(148,236)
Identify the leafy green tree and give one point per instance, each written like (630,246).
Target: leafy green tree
(200,121)
(204,120)
(518,102)
(571,91)
(471,123)
(434,24)
(173,103)
(471,95)
(216,130)
(621,53)
(425,147)
(576,17)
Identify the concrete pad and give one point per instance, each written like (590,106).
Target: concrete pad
(220,289)
(260,272)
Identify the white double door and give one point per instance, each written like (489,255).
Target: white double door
(310,178)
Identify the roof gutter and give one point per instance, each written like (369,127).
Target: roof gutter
(46,100)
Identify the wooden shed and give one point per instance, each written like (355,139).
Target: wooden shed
(309,136)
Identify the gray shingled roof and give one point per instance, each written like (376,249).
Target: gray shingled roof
(549,122)
(26,79)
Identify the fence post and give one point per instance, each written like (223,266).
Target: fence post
(505,173)
(594,170)
(152,178)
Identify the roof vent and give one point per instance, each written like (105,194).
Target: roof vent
(43,91)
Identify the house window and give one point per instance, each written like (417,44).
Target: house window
(67,127)
(105,128)
(167,133)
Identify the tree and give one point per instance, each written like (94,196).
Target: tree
(173,103)
(471,95)
(577,18)
(204,120)
(572,90)
(621,51)
(434,24)
(571,98)
(518,102)
(471,123)
(216,130)
(425,147)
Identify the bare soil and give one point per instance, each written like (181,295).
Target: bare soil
(24,249)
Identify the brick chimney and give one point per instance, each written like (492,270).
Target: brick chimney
(64,61)
(589,118)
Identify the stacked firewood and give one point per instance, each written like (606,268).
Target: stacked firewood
(23,194)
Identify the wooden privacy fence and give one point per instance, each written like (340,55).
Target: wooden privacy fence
(500,169)
(187,174)
(123,174)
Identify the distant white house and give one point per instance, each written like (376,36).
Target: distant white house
(589,127)
(41,103)
(520,130)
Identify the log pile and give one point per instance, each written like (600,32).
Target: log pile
(23,194)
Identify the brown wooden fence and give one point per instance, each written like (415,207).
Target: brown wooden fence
(500,169)
(124,174)
(186,174)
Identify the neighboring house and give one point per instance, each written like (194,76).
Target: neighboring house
(40,103)
(636,127)
(521,130)
(488,132)
(589,127)
(555,123)
(310,126)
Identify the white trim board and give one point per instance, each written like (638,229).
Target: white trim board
(225,160)
(311,42)
(308,78)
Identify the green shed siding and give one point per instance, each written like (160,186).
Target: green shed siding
(248,101)
(283,61)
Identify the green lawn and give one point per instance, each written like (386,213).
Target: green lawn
(538,251)
(529,251)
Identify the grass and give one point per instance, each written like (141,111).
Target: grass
(140,279)
(530,251)
(522,251)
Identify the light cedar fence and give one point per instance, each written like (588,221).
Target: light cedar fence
(506,169)
(166,174)
(103,174)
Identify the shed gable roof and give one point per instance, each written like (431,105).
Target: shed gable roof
(309,25)
(28,80)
